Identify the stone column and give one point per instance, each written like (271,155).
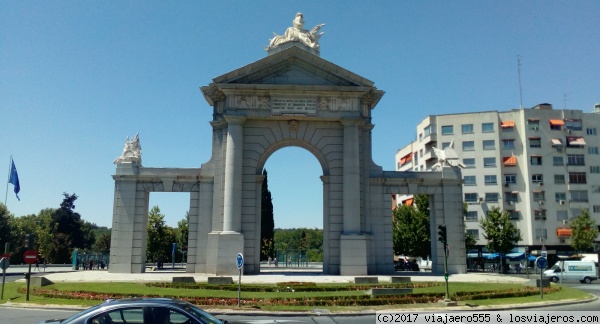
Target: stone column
(351,178)
(353,243)
(232,200)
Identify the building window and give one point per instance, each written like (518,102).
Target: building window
(420,137)
(474,232)
(535,142)
(467,128)
(508,144)
(536,160)
(469,162)
(575,142)
(470,181)
(536,178)
(579,195)
(595,189)
(591,131)
(427,130)
(510,178)
(577,177)
(562,215)
(447,130)
(539,214)
(541,233)
(491,196)
(557,160)
(445,144)
(558,196)
(596,208)
(490,180)
(573,124)
(511,196)
(514,214)
(577,211)
(487,127)
(594,169)
(592,149)
(468,146)
(472,216)
(559,179)
(489,145)
(471,197)
(489,162)
(538,195)
(575,159)
(533,124)
(556,124)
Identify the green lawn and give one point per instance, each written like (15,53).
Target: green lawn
(12,294)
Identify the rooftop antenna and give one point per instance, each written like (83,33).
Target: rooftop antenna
(519,74)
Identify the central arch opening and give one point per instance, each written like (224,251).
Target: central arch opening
(293,179)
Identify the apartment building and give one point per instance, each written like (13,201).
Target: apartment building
(542,165)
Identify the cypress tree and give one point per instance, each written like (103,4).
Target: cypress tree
(267,222)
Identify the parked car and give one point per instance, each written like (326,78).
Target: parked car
(141,311)
(406,266)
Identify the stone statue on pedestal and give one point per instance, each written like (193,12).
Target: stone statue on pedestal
(132,151)
(297,33)
(446,157)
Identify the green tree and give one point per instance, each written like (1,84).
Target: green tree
(102,243)
(584,232)
(410,228)
(69,231)
(267,223)
(292,239)
(159,239)
(182,232)
(6,227)
(501,235)
(470,240)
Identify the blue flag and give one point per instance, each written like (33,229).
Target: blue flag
(14,179)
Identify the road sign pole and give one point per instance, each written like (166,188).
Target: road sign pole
(28,281)
(4,271)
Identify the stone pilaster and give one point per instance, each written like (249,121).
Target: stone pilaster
(232,200)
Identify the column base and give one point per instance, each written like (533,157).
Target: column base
(221,252)
(353,254)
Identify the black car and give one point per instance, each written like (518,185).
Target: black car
(142,311)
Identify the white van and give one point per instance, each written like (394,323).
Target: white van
(583,271)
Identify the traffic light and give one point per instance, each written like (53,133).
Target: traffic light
(442,233)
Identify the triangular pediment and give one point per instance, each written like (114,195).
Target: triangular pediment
(293,66)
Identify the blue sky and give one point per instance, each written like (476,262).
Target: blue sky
(78,77)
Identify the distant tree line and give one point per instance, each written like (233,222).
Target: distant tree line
(54,233)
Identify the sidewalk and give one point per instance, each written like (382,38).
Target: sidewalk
(268,275)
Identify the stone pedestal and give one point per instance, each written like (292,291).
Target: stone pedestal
(222,251)
(353,254)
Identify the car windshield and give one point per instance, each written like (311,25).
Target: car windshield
(206,317)
(91,309)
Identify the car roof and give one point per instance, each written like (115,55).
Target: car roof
(144,301)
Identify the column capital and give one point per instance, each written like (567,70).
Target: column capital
(235,120)
(350,122)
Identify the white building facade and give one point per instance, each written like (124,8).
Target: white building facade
(541,165)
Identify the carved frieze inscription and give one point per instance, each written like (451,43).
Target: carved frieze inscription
(293,106)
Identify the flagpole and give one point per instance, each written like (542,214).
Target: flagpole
(7,180)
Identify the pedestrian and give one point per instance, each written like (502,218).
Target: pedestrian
(269,260)
(275,261)
(37,263)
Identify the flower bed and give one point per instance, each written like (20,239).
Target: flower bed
(359,300)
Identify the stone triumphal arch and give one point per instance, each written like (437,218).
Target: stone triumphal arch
(292,97)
